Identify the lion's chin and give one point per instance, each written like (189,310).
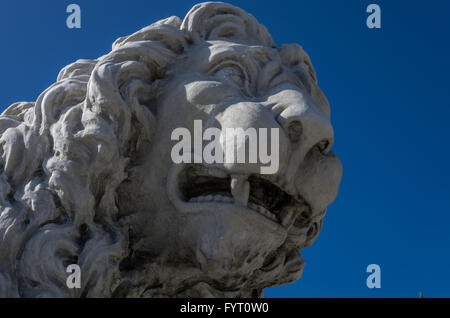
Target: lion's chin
(225,278)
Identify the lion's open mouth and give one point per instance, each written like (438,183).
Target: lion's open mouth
(200,184)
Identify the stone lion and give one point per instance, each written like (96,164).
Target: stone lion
(87,176)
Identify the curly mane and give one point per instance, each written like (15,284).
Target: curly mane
(64,156)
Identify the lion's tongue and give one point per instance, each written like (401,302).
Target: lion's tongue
(240,189)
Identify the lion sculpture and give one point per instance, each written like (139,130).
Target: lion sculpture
(87,176)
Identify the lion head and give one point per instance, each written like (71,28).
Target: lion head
(87,176)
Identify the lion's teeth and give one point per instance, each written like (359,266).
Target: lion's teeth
(217,173)
(261,210)
(200,170)
(221,198)
(288,216)
(227,199)
(240,189)
(212,198)
(218,198)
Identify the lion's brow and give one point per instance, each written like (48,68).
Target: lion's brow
(262,64)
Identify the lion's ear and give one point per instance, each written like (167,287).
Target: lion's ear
(217,20)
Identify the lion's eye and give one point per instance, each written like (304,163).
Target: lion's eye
(234,74)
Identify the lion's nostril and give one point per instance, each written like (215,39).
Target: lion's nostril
(323,146)
(294,131)
(313,231)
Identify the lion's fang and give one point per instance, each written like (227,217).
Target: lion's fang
(240,189)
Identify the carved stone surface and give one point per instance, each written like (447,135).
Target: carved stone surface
(87,176)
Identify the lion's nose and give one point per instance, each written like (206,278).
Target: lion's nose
(247,117)
(307,126)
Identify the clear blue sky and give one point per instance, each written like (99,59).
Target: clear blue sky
(388,89)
